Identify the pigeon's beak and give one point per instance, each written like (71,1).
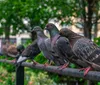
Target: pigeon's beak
(21,59)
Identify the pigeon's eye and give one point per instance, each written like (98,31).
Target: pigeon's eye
(50,25)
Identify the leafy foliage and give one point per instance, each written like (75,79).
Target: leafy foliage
(21,15)
(34,76)
(97,41)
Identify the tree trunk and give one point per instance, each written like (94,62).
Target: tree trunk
(7,33)
(87,17)
(95,28)
(88,20)
(87,30)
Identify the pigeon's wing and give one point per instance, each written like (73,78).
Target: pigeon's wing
(64,47)
(48,45)
(12,50)
(45,47)
(31,50)
(56,59)
(83,48)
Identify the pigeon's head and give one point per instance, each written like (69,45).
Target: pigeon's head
(65,32)
(33,35)
(20,48)
(37,29)
(50,26)
(34,32)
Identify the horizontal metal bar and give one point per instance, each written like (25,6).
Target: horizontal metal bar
(92,75)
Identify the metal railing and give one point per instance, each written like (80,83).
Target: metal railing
(92,75)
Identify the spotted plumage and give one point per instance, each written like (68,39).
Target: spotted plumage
(85,49)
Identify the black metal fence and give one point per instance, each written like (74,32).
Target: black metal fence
(92,75)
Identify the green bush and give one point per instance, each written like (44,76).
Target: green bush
(35,76)
(97,41)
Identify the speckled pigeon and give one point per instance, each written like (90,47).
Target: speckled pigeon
(30,52)
(60,44)
(12,50)
(44,44)
(9,50)
(85,49)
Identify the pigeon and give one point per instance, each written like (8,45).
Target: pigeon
(29,52)
(20,48)
(60,44)
(12,50)
(44,44)
(85,49)
(9,49)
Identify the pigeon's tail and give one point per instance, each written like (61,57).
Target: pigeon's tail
(21,59)
(94,65)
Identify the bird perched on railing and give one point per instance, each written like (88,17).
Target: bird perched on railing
(20,48)
(30,51)
(60,44)
(63,47)
(9,49)
(85,49)
(12,50)
(44,45)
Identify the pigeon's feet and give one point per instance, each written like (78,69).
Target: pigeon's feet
(46,64)
(34,62)
(64,66)
(86,70)
(13,61)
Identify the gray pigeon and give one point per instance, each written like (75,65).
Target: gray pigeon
(29,53)
(85,49)
(60,44)
(44,44)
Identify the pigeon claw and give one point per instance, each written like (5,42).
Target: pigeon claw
(86,70)
(34,62)
(64,66)
(46,64)
(13,61)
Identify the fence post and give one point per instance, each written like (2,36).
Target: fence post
(19,75)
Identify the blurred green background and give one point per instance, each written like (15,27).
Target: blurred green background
(19,16)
